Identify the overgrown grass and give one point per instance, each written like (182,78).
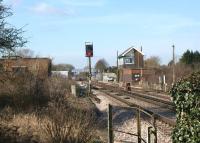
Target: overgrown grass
(23,92)
(40,111)
(68,125)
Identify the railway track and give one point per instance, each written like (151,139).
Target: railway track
(136,91)
(158,100)
(163,110)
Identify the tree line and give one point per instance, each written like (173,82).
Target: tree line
(190,57)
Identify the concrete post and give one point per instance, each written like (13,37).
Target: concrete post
(73,90)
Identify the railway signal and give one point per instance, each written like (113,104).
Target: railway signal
(89,49)
(89,54)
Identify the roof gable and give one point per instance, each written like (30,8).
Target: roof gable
(128,50)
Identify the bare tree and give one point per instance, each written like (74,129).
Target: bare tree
(25,53)
(63,67)
(101,65)
(10,37)
(152,62)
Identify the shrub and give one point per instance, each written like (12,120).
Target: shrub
(65,124)
(186,96)
(23,92)
(58,87)
(56,121)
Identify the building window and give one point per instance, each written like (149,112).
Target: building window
(136,77)
(128,60)
(19,69)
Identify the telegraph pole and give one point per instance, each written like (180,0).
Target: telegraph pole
(141,70)
(117,68)
(173,80)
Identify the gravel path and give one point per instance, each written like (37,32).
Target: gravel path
(130,126)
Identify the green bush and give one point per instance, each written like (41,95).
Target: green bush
(186,96)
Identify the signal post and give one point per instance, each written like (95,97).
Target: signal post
(89,54)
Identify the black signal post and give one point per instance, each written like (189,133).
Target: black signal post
(89,54)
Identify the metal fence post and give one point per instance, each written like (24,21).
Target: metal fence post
(110,130)
(138,125)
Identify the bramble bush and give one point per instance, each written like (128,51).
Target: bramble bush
(186,96)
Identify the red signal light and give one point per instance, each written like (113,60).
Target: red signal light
(89,50)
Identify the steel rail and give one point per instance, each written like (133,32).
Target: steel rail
(130,104)
(146,98)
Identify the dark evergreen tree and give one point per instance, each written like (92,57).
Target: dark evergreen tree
(196,57)
(190,57)
(186,58)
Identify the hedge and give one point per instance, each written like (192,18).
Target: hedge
(186,96)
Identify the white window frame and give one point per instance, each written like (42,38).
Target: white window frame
(128,63)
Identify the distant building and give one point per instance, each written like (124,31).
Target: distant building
(131,58)
(131,65)
(37,66)
(65,74)
(107,77)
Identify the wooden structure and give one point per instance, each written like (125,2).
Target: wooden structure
(40,67)
(131,58)
(131,66)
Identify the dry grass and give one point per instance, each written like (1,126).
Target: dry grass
(23,92)
(56,124)
(46,112)
(66,125)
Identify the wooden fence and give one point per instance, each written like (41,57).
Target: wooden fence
(152,130)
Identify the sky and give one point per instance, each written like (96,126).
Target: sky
(60,28)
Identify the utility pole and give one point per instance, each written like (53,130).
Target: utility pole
(173,80)
(138,56)
(141,70)
(117,68)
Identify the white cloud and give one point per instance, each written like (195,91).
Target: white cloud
(154,24)
(14,3)
(144,20)
(45,8)
(86,3)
